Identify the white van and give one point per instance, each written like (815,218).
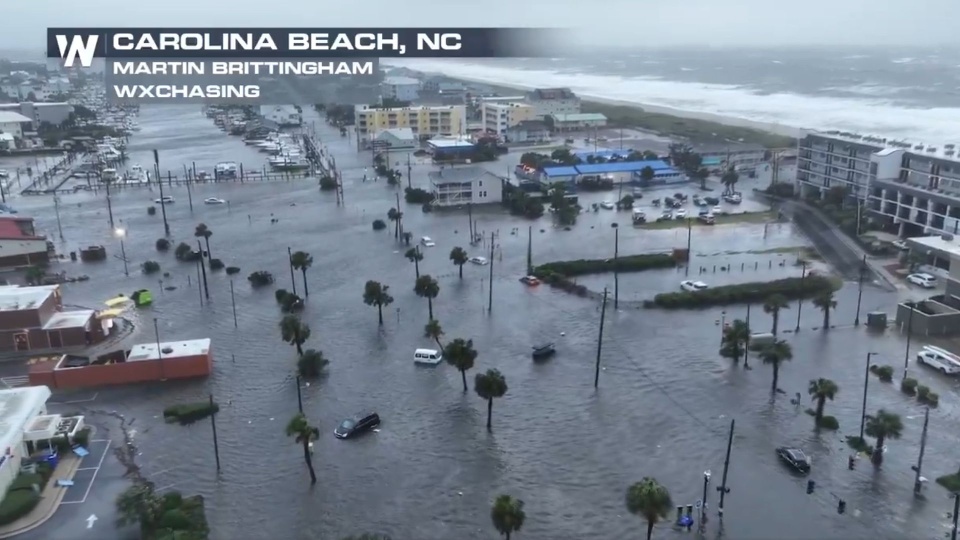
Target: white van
(940,359)
(429,357)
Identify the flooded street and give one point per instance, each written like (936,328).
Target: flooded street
(663,406)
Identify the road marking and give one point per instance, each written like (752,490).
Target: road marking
(96,471)
(87,469)
(91,520)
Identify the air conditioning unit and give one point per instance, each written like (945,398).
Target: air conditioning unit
(946,237)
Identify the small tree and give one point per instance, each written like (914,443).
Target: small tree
(729,181)
(395,216)
(375,294)
(294,331)
(825,302)
(647,174)
(301,260)
(507,515)
(775,353)
(459,257)
(735,338)
(202,231)
(490,385)
(311,364)
(882,426)
(184,252)
(34,275)
(163,244)
(260,278)
(433,330)
(647,498)
(150,267)
(460,354)
(773,305)
(821,390)
(304,434)
(415,256)
(379,225)
(427,287)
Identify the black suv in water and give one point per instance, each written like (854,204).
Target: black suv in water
(795,458)
(357,425)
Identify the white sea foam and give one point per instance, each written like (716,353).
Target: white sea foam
(869,115)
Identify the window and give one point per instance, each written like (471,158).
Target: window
(481,183)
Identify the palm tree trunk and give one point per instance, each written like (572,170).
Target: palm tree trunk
(463,375)
(439,344)
(649,530)
(209,254)
(299,348)
(416,267)
(461,271)
(306,292)
(380,313)
(309,460)
(507,535)
(430,307)
(776,320)
(776,376)
(396,229)
(489,413)
(821,401)
(877,457)
(826,319)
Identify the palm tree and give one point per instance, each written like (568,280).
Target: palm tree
(427,287)
(202,231)
(882,426)
(304,434)
(433,331)
(459,258)
(821,390)
(489,385)
(773,354)
(825,302)
(773,305)
(735,339)
(395,216)
(311,364)
(301,260)
(375,294)
(139,505)
(294,331)
(649,499)
(460,354)
(413,255)
(507,515)
(729,180)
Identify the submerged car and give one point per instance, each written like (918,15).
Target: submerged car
(214,200)
(531,281)
(692,286)
(795,458)
(479,260)
(357,425)
(164,200)
(607,205)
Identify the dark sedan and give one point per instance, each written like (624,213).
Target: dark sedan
(795,458)
(357,425)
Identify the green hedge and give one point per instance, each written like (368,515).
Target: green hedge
(17,504)
(187,413)
(27,481)
(628,263)
(791,288)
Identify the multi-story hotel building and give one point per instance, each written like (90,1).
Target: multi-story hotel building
(498,117)
(424,121)
(911,189)
(553,101)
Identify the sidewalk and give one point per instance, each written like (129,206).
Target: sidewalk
(50,499)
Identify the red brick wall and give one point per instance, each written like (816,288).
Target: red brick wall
(126,372)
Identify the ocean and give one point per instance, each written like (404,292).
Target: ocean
(909,94)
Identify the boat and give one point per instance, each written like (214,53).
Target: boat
(226,170)
(214,200)
(291,165)
(136,175)
(543,350)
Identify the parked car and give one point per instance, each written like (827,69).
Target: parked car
(426,241)
(681,213)
(901,245)
(924,280)
(940,359)
(717,210)
(357,425)
(479,260)
(693,286)
(707,219)
(214,200)
(429,357)
(607,205)
(532,281)
(665,216)
(166,199)
(795,458)
(543,350)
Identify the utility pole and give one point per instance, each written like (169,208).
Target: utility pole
(156,332)
(490,290)
(603,312)
(746,347)
(189,192)
(866,384)
(906,353)
(470,218)
(703,501)
(722,488)
(56,206)
(163,202)
(863,267)
(396,228)
(233,302)
(203,270)
(213,424)
(299,395)
(616,266)
(109,202)
(956,510)
(917,484)
(293,280)
(803,277)
(529,250)
(689,240)
(409,168)
(199,287)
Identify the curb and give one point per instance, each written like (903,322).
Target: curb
(58,498)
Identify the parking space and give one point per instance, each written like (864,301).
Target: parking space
(86,474)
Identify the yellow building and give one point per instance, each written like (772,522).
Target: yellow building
(499,117)
(424,121)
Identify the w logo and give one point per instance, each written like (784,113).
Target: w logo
(82,46)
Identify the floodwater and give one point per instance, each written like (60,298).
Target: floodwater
(663,407)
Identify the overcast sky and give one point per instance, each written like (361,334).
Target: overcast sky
(608,22)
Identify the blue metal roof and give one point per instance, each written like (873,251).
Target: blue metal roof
(622,166)
(602,153)
(560,171)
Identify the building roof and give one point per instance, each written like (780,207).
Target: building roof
(69,319)
(402,134)
(553,172)
(727,147)
(170,349)
(450,143)
(552,93)
(14,298)
(528,125)
(10,228)
(579,117)
(459,175)
(400,81)
(621,166)
(17,406)
(10,117)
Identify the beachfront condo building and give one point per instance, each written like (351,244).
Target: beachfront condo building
(497,117)
(911,189)
(553,101)
(742,157)
(400,88)
(424,121)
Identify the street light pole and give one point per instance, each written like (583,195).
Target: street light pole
(863,264)
(866,384)
(56,206)
(803,278)
(703,501)
(906,353)
(123,251)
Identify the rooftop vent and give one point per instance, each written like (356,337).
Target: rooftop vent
(949,146)
(166,350)
(946,237)
(918,147)
(932,150)
(949,152)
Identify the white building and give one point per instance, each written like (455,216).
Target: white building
(400,88)
(497,117)
(577,121)
(825,161)
(282,115)
(13,123)
(465,185)
(40,113)
(23,417)
(553,101)
(742,157)
(397,138)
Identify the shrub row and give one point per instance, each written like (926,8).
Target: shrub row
(629,263)
(791,288)
(187,413)
(17,504)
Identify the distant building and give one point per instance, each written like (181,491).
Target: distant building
(465,185)
(739,156)
(32,318)
(40,113)
(397,138)
(457,149)
(577,121)
(13,123)
(424,121)
(20,245)
(527,131)
(20,410)
(553,101)
(400,88)
(282,115)
(497,117)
